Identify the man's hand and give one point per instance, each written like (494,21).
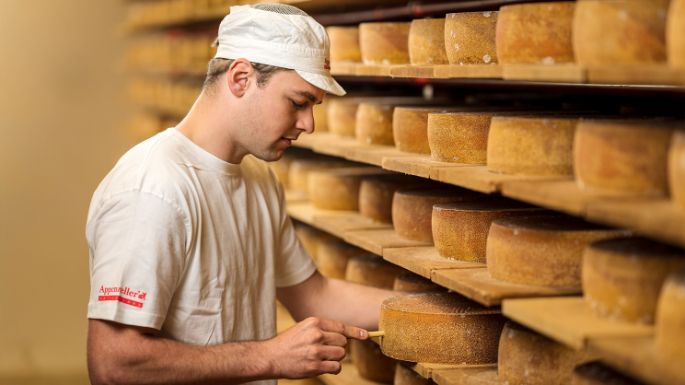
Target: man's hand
(312,347)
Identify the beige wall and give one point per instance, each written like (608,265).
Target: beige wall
(62,125)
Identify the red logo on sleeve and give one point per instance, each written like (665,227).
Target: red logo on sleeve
(125,295)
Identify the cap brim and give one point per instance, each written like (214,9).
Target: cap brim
(324,82)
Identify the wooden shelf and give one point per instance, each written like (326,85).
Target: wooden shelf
(347,376)
(424,260)
(468,376)
(376,241)
(337,223)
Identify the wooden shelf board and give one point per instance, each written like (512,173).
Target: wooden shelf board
(413,164)
(469,376)
(372,154)
(477,177)
(328,143)
(562,194)
(424,260)
(373,69)
(636,75)
(568,73)
(376,241)
(638,357)
(340,223)
(412,71)
(347,376)
(429,371)
(344,68)
(306,141)
(478,285)
(568,320)
(302,211)
(485,71)
(294,196)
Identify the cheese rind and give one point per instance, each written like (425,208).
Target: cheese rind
(427,42)
(300,169)
(344,44)
(342,116)
(311,238)
(374,124)
(676,168)
(670,319)
(535,33)
(622,277)
(410,129)
(406,376)
(439,328)
(376,194)
(595,373)
(458,137)
(384,43)
(413,283)
(371,270)
(470,38)
(321,116)
(333,255)
(370,361)
(338,189)
(675,34)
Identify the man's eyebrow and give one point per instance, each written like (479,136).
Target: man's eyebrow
(309,96)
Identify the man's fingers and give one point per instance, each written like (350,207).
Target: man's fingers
(334,339)
(346,330)
(331,353)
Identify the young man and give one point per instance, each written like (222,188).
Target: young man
(190,244)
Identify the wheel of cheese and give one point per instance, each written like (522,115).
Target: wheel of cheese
(528,358)
(439,328)
(413,283)
(470,38)
(299,170)
(675,34)
(541,250)
(670,318)
(427,42)
(342,116)
(406,376)
(622,277)
(460,230)
(332,256)
(338,189)
(531,146)
(410,128)
(614,32)
(280,169)
(535,33)
(375,195)
(412,209)
(374,124)
(311,238)
(344,43)
(321,116)
(595,373)
(622,157)
(459,137)
(384,43)
(676,168)
(371,270)
(370,361)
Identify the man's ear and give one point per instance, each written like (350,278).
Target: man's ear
(240,76)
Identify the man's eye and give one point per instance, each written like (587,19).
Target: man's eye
(297,106)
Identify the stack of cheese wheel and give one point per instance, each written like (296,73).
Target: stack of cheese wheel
(676,168)
(384,43)
(410,128)
(460,229)
(534,146)
(412,209)
(376,194)
(311,238)
(622,277)
(333,255)
(374,123)
(528,358)
(675,34)
(535,33)
(427,42)
(338,189)
(541,250)
(299,170)
(622,157)
(470,38)
(614,32)
(459,137)
(406,376)
(670,321)
(280,168)
(440,328)
(412,283)
(344,44)
(321,116)
(342,116)
(594,373)
(370,270)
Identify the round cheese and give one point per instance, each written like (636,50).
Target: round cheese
(528,358)
(332,256)
(439,328)
(321,116)
(622,277)
(595,373)
(374,124)
(541,250)
(621,157)
(406,376)
(338,189)
(675,34)
(611,32)
(535,33)
(344,44)
(311,238)
(410,128)
(427,42)
(676,168)
(460,230)
(342,116)
(458,137)
(470,38)
(384,43)
(370,361)
(531,146)
(670,318)
(299,170)
(280,169)
(412,209)
(371,270)
(413,283)
(375,195)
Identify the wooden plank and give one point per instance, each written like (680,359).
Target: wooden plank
(569,73)
(344,68)
(478,285)
(563,195)
(376,241)
(569,320)
(428,370)
(413,164)
(341,222)
(347,376)
(302,211)
(477,177)
(485,71)
(411,71)
(424,260)
(294,196)
(469,376)
(332,144)
(638,357)
(373,154)
(643,74)
(372,70)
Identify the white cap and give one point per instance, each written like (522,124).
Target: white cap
(279,35)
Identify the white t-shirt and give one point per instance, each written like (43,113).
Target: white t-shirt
(186,243)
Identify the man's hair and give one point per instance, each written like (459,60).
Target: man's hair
(219,66)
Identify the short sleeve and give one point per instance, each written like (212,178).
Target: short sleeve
(137,243)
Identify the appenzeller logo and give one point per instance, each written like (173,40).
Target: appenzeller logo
(123,294)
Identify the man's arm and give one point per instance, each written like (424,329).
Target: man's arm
(121,354)
(328,298)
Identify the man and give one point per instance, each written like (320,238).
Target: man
(189,241)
